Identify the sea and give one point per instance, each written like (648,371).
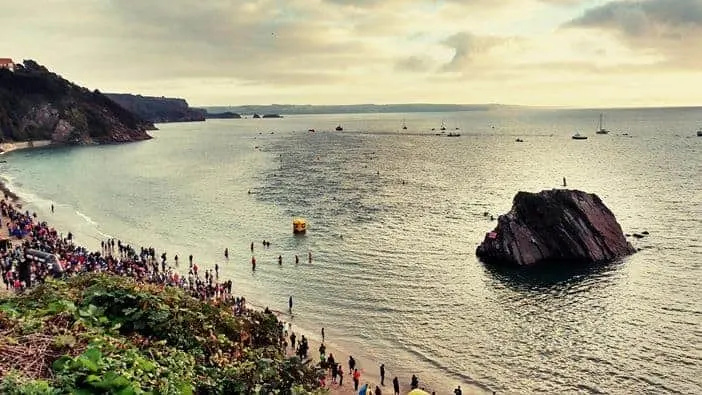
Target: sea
(394,217)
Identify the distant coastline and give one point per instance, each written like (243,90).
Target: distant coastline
(309,109)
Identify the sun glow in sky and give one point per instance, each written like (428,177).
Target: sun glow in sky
(589,53)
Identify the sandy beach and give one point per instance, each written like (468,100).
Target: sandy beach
(369,368)
(14,146)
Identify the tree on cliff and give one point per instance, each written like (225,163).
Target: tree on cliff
(38,104)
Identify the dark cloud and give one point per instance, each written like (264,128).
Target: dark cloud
(644,18)
(672,28)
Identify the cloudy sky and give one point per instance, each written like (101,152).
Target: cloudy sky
(579,53)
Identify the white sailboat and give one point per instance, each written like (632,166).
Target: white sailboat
(601,129)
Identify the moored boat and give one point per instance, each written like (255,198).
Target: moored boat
(578,136)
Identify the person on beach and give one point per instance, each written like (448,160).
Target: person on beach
(52,208)
(309,256)
(191,260)
(175,258)
(378,391)
(458,391)
(340,373)
(292,340)
(226,253)
(252,246)
(297,259)
(280,260)
(396,386)
(382,374)
(334,369)
(356,379)
(352,363)
(322,334)
(253,263)
(414,383)
(290,304)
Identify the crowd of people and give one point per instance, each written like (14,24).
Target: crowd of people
(43,252)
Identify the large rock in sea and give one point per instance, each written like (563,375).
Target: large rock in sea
(559,225)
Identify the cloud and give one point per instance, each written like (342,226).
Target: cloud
(469,50)
(415,63)
(672,28)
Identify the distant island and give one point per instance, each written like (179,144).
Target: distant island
(38,105)
(159,109)
(292,109)
(223,115)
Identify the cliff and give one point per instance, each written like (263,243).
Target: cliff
(36,104)
(555,226)
(158,109)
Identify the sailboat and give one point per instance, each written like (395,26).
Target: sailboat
(404,125)
(443,125)
(339,128)
(578,136)
(601,129)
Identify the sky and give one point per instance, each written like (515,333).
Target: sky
(570,53)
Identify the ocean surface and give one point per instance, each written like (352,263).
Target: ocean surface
(394,219)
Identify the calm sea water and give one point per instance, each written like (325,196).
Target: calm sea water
(395,217)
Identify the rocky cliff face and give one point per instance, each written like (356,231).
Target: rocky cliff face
(36,104)
(555,226)
(158,109)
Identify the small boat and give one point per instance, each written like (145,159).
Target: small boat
(310,130)
(699,133)
(299,225)
(519,140)
(578,136)
(601,129)
(339,128)
(404,125)
(451,134)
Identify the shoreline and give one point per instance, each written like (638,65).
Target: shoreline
(20,145)
(365,362)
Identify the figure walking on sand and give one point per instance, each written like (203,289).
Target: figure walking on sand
(290,304)
(322,334)
(226,253)
(52,208)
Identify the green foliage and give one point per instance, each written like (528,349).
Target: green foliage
(15,384)
(92,114)
(109,334)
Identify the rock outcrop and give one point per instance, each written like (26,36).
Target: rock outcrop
(36,104)
(555,226)
(159,109)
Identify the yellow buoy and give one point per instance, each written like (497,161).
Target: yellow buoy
(299,225)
